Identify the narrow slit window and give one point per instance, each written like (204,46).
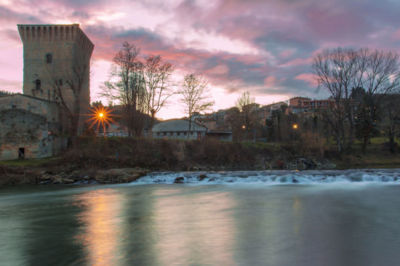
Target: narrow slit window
(49,58)
(38,84)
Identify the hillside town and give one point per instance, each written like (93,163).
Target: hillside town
(195,132)
(54,109)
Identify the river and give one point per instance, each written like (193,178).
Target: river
(230,218)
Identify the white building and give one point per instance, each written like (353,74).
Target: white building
(178,129)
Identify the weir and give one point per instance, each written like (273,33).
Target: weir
(275,177)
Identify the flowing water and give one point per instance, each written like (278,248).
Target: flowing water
(229,218)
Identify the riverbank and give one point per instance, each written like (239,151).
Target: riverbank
(118,160)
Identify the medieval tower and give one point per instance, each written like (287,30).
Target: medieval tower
(56,92)
(56,63)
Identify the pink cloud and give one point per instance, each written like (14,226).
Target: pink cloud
(286,35)
(298,62)
(219,70)
(396,35)
(311,79)
(270,81)
(286,53)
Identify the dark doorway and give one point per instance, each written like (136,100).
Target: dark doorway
(21,153)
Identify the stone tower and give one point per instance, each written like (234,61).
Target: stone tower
(56,58)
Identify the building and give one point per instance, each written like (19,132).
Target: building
(56,64)
(265,112)
(303,104)
(179,129)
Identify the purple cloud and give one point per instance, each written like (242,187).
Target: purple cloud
(262,46)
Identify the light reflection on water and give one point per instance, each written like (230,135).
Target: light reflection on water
(201,225)
(101,218)
(194,225)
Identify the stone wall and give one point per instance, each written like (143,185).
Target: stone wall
(29,126)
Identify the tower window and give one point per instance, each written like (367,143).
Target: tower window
(38,84)
(49,58)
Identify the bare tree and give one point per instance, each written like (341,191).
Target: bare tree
(244,100)
(68,91)
(340,71)
(233,119)
(127,86)
(391,118)
(248,113)
(193,96)
(156,74)
(381,77)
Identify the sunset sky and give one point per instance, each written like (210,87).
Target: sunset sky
(265,47)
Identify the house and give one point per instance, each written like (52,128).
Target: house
(303,104)
(179,129)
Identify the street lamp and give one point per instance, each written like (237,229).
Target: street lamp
(101,118)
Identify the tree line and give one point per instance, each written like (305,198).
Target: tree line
(143,86)
(362,84)
(363,88)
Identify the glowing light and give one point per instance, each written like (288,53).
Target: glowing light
(100,117)
(295,126)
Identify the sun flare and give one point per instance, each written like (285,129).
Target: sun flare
(100,117)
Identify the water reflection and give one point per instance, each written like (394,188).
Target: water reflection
(203,225)
(101,219)
(195,228)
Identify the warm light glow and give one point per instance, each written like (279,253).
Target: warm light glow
(101,221)
(244,127)
(295,126)
(101,117)
(196,223)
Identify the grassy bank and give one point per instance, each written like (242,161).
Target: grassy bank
(91,158)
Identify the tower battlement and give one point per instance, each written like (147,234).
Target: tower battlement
(55,33)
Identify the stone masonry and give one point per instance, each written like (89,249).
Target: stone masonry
(33,124)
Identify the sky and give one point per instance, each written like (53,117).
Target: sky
(265,47)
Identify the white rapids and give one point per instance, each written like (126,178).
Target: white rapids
(274,177)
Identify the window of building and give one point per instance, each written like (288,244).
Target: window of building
(38,84)
(49,58)
(21,153)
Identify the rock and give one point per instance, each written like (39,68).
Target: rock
(67,181)
(45,182)
(57,179)
(45,177)
(119,175)
(179,180)
(308,164)
(201,177)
